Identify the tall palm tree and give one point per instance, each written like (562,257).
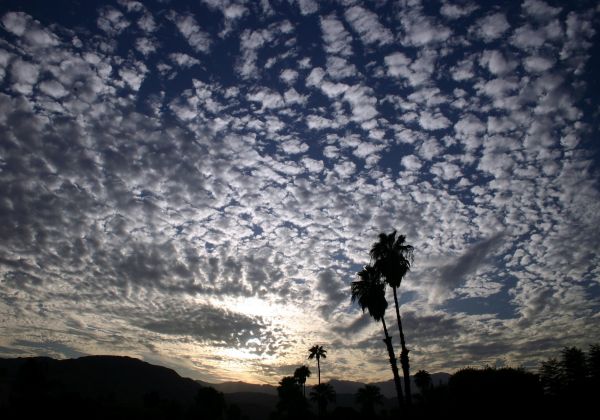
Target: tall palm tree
(301,374)
(392,258)
(370,294)
(317,352)
(368,397)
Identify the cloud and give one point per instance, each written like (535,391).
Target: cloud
(333,289)
(422,30)
(289,76)
(24,75)
(111,20)
(539,9)
(337,39)
(198,39)
(537,64)
(267,98)
(146,46)
(435,121)
(491,27)
(447,171)
(454,274)
(308,7)
(497,63)
(361,101)
(183,60)
(147,23)
(207,324)
(457,11)
(411,162)
(339,68)
(367,25)
(250,43)
(416,72)
(15,22)
(53,88)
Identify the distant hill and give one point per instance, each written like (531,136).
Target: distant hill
(122,379)
(238,386)
(341,387)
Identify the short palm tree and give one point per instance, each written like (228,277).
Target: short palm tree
(392,258)
(368,397)
(322,395)
(291,403)
(423,381)
(317,352)
(370,294)
(301,374)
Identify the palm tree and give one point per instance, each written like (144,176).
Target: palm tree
(370,294)
(392,259)
(291,403)
(301,374)
(317,352)
(367,397)
(322,394)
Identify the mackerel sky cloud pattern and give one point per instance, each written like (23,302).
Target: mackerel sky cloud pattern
(197,183)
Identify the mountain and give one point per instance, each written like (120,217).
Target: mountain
(341,387)
(122,379)
(238,386)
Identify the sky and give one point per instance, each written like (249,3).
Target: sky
(197,183)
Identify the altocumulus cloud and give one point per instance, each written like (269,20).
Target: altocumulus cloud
(199,184)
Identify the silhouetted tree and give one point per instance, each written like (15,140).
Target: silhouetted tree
(593,362)
(370,294)
(210,403)
(392,259)
(322,395)
(317,352)
(476,390)
(301,374)
(423,381)
(571,383)
(551,377)
(234,412)
(573,364)
(368,397)
(291,404)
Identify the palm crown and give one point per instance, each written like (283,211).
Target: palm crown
(392,257)
(369,292)
(317,352)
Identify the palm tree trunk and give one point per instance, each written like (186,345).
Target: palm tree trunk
(388,343)
(404,353)
(319,369)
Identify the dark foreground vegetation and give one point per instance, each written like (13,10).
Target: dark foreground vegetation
(109,387)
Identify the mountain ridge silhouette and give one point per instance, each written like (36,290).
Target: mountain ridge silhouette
(108,374)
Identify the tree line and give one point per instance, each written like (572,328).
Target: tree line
(566,386)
